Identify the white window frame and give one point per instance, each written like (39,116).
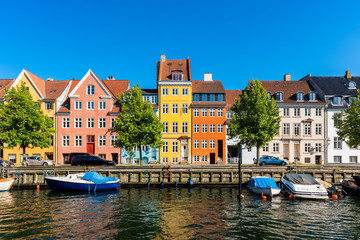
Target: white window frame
(175,92)
(212,112)
(102,140)
(113,139)
(175,147)
(196,128)
(184,127)
(204,144)
(196,144)
(175,127)
(204,128)
(212,144)
(220,112)
(165,108)
(204,112)
(196,112)
(102,105)
(175,109)
(90,122)
(184,91)
(212,128)
(65,122)
(220,128)
(165,127)
(66,141)
(77,122)
(78,105)
(90,105)
(165,147)
(184,108)
(78,140)
(102,122)
(165,91)
(90,90)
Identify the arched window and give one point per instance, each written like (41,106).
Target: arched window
(299,96)
(90,90)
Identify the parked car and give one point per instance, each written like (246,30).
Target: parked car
(73,154)
(38,161)
(83,160)
(5,163)
(270,160)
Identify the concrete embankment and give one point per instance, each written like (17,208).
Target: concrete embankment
(30,177)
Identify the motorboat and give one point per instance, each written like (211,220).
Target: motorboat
(303,186)
(264,186)
(351,186)
(90,181)
(6,183)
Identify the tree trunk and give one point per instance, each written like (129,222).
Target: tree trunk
(140,155)
(24,160)
(257,154)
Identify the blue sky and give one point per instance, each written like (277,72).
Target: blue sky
(234,40)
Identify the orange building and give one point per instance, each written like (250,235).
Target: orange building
(208,118)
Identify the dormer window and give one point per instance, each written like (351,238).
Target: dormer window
(336,101)
(269,95)
(350,99)
(90,90)
(279,96)
(299,96)
(177,75)
(351,85)
(312,96)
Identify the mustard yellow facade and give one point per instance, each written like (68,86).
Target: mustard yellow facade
(16,154)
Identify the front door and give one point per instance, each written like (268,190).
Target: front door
(184,150)
(90,145)
(317,159)
(115,157)
(212,158)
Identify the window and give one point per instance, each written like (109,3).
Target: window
(12,158)
(228,115)
(102,155)
(184,127)
(165,108)
(220,128)
(78,141)
(204,158)
(266,147)
(312,96)
(300,96)
(113,139)
(66,141)
(175,147)
(102,141)
(184,91)
(212,144)
(175,160)
(196,158)
(286,112)
(204,97)
(297,112)
(175,91)
(353,159)
(337,143)
(307,129)
(212,128)
(212,112)
(196,97)
(48,105)
(318,147)
(90,90)
(307,160)
(175,127)
(165,127)
(176,75)
(318,112)
(165,147)
(337,159)
(204,128)
(102,105)
(90,105)
(279,96)
(78,122)
(165,160)
(337,120)
(196,112)
(196,144)
(336,101)
(165,91)
(318,129)
(112,122)
(65,122)
(196,128)
(286,128)
(174,108)
(276,147)
(204,144)
(204,112)
(154,100)
(102,122)
(307,111)
(268,94)
(184,108)
(78,105)
(307,147)
(220,97)
(220,112)
(212,97)
(90,122)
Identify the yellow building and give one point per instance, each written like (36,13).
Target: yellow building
(50,94)
(175,95)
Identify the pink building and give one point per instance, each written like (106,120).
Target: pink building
(87,115)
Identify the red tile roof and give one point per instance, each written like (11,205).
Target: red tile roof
(5,83)
(166,67)
(231,96)
(116,87)
(39,83)
(207,87)
(55,88)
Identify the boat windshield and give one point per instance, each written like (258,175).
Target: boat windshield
(305,179)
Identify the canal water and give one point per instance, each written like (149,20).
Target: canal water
(169,213)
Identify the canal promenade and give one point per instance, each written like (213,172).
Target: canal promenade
(30,177)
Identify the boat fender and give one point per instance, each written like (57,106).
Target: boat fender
(263,197)
(191,182)
(334,196)
(291,196)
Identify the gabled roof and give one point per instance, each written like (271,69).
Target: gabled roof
(55,88)
(207,87)
(5,83)
(165,68)
(231,96)
(116,87)
(38,83)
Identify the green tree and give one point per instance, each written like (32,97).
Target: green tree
(255,118)
(137,124)
(22,122)
(348,123)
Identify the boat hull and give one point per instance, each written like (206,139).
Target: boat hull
(6,184)
(307,194)
(266,191)
(68,185)
(352,191)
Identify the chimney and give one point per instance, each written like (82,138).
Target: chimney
(49,79)
(287,77)
(347,74)
(207,77)
(163,58)
(110,78)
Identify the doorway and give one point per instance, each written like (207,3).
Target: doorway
(212,158)
(317,159)
(115,158)
(90,145)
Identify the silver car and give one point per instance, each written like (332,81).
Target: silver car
(38,161)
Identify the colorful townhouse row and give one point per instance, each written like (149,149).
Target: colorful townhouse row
(194,114)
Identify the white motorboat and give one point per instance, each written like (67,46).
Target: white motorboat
(6,183)
(264,186)
(303,186)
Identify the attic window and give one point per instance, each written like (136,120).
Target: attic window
(53,91)
(336,101)
(299,96)
(279,96)
(177,75)
(312,96)
(351,85)
(180,63)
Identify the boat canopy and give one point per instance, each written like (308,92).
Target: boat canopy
(305,179)
(97,178)
(263,182)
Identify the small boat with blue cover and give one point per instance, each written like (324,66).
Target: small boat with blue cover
(264,186)
(90,181)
